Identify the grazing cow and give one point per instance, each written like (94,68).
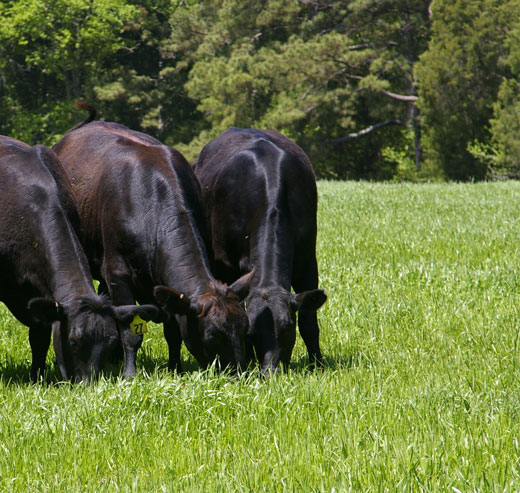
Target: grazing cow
(46,282)
(260,197)
(143,221)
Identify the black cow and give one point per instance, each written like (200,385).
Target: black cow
(260,196)
(142,215)
(46,281)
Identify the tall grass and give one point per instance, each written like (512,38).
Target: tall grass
(420,387)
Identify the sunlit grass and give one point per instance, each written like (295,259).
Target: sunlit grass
(420,388)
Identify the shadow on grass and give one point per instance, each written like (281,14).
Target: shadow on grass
(15,373)
(18,373)
(356,359)
(151,363)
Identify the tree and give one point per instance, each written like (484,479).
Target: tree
(336,76)
(144,87)
(460,75)
(503,155)
(319,71)
(51,52)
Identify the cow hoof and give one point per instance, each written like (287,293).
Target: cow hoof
(129,374)
(270,371)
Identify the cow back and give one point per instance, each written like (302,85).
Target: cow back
(135,195)
(258,188)
(38,227)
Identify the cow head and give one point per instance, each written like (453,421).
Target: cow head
(85,331)
(272,320)
(213,324)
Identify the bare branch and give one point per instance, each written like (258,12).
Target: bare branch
(131,49)
(355,77)
(365,131)
(256,37)
(399,97)
(370,45)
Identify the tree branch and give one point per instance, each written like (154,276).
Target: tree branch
(393,95)
(365,131)
(399,97)
(370,45)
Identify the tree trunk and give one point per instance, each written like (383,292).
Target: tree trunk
(416,122)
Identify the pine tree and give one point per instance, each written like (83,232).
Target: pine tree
(459,78)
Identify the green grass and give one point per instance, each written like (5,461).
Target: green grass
(420,391)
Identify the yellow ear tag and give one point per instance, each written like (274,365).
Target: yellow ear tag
(138,326)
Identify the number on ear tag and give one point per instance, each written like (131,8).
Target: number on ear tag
(138,326)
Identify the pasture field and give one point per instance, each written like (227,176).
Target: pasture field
(420,389)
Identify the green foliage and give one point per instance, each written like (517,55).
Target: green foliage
(52,52)
(108,52)
(405,169)
(419,392)
(459,76)
(505,124)
(312,70)
(144,86)
(505,129)
(325,73)
(488,156)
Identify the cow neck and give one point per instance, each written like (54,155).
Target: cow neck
(183,257)
(68,275)
(272,253)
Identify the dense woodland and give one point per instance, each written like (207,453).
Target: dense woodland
(371,89)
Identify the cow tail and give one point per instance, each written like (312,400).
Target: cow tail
(92,113)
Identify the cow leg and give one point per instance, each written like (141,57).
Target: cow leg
(305,277)
(39,339)
(117,281)
(172,334)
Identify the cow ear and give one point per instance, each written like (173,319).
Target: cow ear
(45,310)
(126,313)
(172,301)
(242,285)
(309,300)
